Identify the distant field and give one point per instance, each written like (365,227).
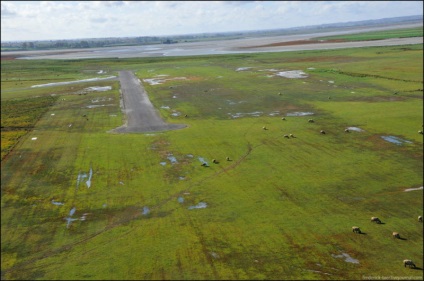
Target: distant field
(378,35)
(81,203)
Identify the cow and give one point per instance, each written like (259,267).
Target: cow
(375,219)
(409,263)
(356,229)
(396,235)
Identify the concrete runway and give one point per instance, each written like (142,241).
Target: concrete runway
(142,117)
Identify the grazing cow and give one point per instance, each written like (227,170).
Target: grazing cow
(375,219)
(228,158)
(409,263)
(284,118)
(264,128)
(291,135)
(347,130)
(214,161)
(420,218)
(311,120)
(322,132)
(420,132)
(396,235)
(356,229)
(286,136)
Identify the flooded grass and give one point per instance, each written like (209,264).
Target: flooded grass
(79,203)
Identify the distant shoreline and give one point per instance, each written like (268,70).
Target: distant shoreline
(251,44)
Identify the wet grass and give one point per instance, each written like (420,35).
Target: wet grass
(281,208)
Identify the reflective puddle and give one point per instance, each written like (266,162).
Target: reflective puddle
(57,203)
(395,140)
(146,210)
(200,205)
(346,257)
(298,113)
(355,129)
(412,189)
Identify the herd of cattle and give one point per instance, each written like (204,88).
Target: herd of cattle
(406,262)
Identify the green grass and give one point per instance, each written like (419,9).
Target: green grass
(282,208)
(378,35)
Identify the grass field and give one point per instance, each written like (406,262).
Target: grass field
(81,203)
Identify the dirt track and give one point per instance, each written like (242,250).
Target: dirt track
(142,117)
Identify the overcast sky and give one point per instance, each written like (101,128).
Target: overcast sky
(51,20)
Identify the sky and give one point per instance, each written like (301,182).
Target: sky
(56,20)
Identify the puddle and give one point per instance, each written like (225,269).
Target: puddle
(346,257)
(52,114)
(214,255)
(299,113)
(100,72)
(73,82)
(292,74)
(146,210)
(203,161)
(395,140)
(98,105)
(176,114)
(163,163)
(165,107)
(182,178)
(101,99)
(69,220)
(121,183)
(88,182)
(80,177)
(200,205)
(57,203)
(239,114)
(412,189)
(172,159)
(158,81)
(72,211)
(98,89)
(331,82)
(180,199)
(104,205)
(274,113)
(243,68)
(318,271)
(355,129)
(34,138)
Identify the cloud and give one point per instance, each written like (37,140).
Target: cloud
(6,10)
(87,19)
